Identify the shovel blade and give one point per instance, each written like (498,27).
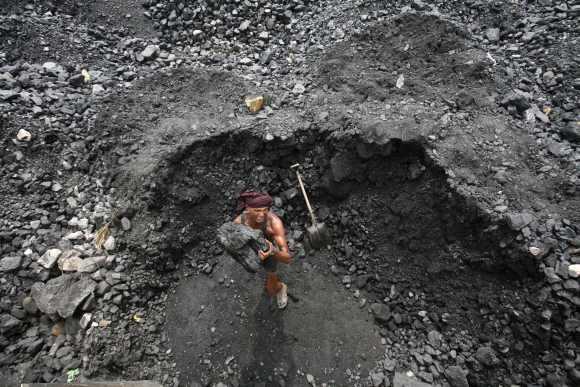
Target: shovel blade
(318,236)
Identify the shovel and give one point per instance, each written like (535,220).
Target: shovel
(317,235)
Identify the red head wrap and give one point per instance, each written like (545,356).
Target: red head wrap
(254,200)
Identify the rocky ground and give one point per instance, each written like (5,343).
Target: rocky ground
(439,141)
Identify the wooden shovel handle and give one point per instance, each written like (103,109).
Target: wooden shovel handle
(306,198)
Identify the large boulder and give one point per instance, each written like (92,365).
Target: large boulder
(517,221)
(49,258)
(62,295)
(456,376)
(486,356)
(519,99)
(8,323)
(10,263)
(150,52)
(402,380)
(242,243)
(381,312)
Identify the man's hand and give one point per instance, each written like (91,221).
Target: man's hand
(267,254)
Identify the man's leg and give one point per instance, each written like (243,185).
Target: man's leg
(277,288)
(273,284)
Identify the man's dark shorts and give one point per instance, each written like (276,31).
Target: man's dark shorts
(270,265)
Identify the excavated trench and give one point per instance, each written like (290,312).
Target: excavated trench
(401,239)
(410,256)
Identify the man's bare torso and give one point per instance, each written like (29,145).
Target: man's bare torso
(269,229)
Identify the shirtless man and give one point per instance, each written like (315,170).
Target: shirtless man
(256,214)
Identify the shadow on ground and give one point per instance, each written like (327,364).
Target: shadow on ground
(224,328)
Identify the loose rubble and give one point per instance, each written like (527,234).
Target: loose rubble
(68,134)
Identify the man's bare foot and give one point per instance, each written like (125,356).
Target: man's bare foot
(282,297)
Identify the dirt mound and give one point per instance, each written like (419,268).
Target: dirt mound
(21,40)
(73,37)
(432,55)
(125,15)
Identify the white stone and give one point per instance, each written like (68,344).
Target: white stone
(23,135)
(492,34)
(150,51)
(83,224)
(85,320)
(98,89)
(574,271)
(244,26)
(50,66)
(299,88)
(400,81)
(72,203)
(74,236)
(92,264)
(49,258)
(109,244)
(70,264)
(126,224)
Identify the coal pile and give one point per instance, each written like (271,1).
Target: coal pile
(438,139)
(404,248)
(188,22)
(537,48)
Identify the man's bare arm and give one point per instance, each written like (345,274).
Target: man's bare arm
(282,254)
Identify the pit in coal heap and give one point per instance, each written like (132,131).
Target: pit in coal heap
(406,248)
